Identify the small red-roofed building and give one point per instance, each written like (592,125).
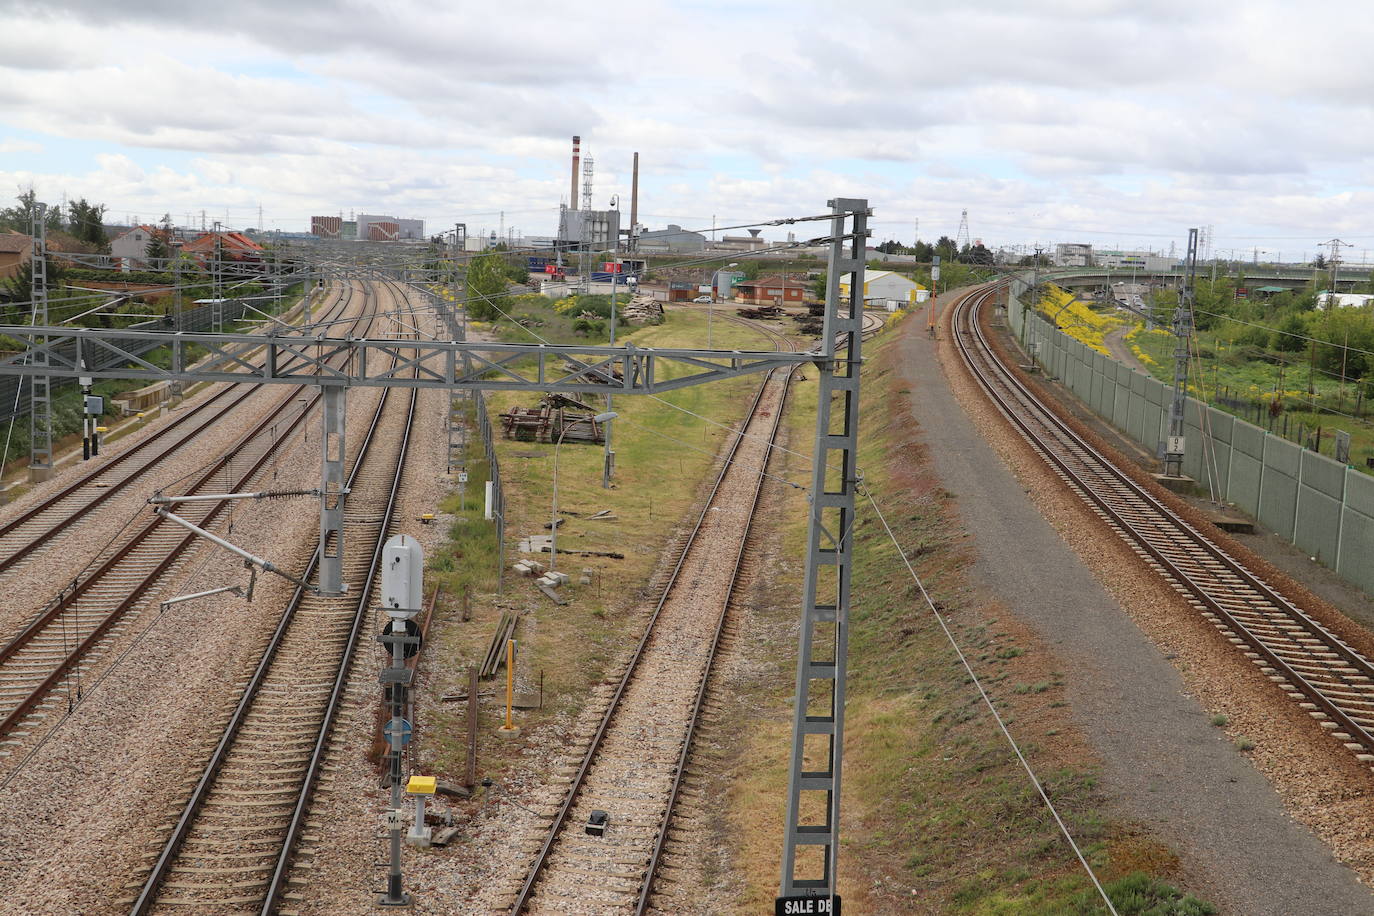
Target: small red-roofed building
(15,250)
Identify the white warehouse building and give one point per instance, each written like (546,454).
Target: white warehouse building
(884,286)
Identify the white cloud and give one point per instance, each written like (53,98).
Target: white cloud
(1043,119)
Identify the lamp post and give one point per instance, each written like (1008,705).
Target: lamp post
(553,526)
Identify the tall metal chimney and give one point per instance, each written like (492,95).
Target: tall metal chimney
(634,199)
(577,154)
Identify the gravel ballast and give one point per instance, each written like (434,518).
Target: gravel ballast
(1163,761)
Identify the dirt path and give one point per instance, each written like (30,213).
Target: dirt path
(1115,342)
(1163,763)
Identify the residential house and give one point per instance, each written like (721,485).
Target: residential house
(15,248)
(774,290)
(130,247)
(234,246)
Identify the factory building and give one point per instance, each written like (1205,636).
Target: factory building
(674,238)
(599,230)
(750,242)
(884,286)
(326,227)
(389,228)
(1145,261)
(1073,254)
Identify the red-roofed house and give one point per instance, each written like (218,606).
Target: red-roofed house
(235,246)
(15,248)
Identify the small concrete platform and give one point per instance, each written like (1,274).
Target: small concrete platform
(1230,521)
(1177,484)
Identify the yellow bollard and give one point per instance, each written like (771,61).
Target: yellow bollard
(510,729)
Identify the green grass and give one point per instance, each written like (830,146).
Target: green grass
(1236,373)
(663,456)
(939,815)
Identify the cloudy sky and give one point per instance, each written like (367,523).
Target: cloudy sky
(1119,123)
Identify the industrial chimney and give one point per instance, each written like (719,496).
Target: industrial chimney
(634,199)
(577,154)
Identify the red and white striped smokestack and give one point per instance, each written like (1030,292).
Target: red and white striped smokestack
(577,155)
(634,198)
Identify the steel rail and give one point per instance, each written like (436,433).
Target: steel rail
(282,869)
(181,831)
(70,595)
(201,410)
(646,887)
(967,310)
(589,757)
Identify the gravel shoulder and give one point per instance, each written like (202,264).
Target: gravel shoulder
(1144,704)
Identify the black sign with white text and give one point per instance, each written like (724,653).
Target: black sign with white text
(807,906)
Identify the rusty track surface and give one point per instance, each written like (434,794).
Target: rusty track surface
(1330,680)
(236,837)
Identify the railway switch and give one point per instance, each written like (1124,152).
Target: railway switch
(597,823)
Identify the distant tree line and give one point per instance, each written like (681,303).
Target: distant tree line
(83,220)
(946,248)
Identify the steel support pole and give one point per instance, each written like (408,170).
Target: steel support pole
(40,387)
(175,390)
(608,460)
(332,490)
(1183,331)
(813,782)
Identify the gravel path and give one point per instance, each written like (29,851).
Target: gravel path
(1163,762)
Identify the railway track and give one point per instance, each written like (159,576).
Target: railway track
(634,765)
(1329,679)
(46,525)
(237,835)
(73,630)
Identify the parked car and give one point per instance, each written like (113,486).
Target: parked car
(703,299)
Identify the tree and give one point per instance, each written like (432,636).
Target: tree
(978,254)
(160,246)
(486,287)
(946,248)
(752,269)
(818,286)
(86,221)
(20,218)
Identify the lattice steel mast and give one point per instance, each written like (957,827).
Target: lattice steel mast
(813,782)
(1183,333)
(40,386)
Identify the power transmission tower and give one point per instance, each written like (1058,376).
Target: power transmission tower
(40,386)
(961,238)
(583,256)
(1336,246)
